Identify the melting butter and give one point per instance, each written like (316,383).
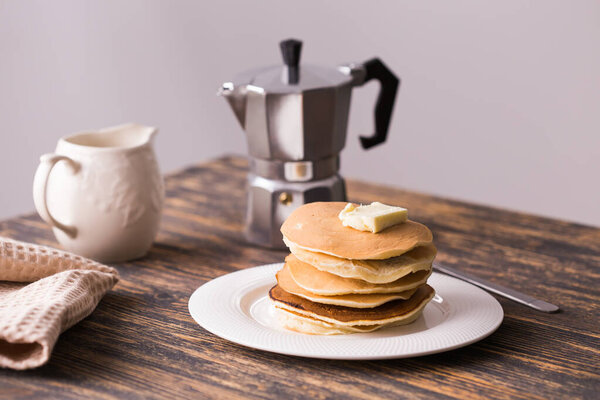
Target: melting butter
(374,217)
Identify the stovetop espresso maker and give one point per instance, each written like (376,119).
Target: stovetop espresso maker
(295,117)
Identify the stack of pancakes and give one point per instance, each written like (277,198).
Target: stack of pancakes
(342,280)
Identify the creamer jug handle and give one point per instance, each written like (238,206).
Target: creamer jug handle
(40,184)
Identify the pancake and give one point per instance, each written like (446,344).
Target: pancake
(285,281)
(303,324)
(393,311)
(373,271)
(326,284)
(316,227)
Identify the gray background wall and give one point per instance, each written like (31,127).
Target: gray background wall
(500,102)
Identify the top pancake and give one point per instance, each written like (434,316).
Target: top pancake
(316,227)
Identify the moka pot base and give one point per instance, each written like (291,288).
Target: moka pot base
(276,188)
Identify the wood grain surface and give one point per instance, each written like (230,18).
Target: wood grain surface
(142,343)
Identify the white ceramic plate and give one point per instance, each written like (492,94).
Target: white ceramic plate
(236,307)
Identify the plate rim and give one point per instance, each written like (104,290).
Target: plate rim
(260,269)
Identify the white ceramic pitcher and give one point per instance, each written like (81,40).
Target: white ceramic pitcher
(102,192)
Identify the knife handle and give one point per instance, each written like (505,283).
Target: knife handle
(511,294)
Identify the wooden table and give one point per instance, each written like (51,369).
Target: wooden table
(142,343)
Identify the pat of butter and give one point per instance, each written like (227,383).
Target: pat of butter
(372,218)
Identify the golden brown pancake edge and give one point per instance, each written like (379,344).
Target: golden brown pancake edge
(287,283)
(392,309)
(326,283)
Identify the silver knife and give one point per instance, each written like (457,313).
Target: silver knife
(511,294)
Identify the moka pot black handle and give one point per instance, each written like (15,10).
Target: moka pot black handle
(376,69)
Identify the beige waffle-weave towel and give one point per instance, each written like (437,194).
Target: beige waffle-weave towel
(65,289)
